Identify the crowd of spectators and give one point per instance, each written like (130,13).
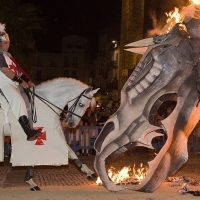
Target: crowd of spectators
(103,112)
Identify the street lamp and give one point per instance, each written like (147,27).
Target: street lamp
(114,42)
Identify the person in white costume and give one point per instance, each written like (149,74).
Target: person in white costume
(11,75)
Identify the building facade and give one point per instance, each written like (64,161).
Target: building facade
(114,64)
(111,68)
(73,61)
(106,65)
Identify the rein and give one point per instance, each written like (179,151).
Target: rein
(197,85)
(70,110)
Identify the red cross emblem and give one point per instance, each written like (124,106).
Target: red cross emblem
(39,139)
(13,68)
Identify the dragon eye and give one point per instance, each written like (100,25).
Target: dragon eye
(80,104)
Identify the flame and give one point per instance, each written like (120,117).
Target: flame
(126,175)
(197,2)
(172,18)
(176,15)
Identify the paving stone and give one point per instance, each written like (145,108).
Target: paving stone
(68,175)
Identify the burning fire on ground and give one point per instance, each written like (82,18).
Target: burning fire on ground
(126,175)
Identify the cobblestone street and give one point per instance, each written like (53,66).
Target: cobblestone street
(68,175)
(68,183)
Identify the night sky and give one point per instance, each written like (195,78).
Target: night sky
(87,18)
(82,17)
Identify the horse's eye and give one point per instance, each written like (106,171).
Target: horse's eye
(80,104)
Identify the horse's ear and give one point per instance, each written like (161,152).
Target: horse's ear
(94,91)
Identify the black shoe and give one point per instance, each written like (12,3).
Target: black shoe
(32,134)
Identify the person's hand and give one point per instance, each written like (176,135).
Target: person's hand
(25,85)
(31,84)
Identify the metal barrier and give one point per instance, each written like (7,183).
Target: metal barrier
(82,137)
(85,136)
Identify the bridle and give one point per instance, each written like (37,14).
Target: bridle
(69,112)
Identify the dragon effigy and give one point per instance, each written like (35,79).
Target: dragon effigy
(169,67)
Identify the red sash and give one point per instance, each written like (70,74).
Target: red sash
(19,67)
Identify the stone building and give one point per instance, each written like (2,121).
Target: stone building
(114,65)
(72,61)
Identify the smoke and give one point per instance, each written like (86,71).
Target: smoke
(156,25)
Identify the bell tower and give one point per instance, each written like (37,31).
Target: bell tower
(132,20)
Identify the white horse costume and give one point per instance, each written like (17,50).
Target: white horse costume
(50,148)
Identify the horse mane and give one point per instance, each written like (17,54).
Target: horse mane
(58,90)
(60,81)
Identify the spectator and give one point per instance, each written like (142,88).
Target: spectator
(110,104)
(115,106)
(103,116)
(90,117)
(85,140)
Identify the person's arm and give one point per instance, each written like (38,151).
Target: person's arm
(25,78)
(10,74)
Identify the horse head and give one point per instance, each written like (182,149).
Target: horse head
(166,69)
(77,107)
(74,94)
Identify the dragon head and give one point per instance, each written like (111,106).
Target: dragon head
(165,70)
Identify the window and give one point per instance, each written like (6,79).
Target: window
(66,73)
(74,74)
(101,72)
(79,46)
(52,74)
(75,62)
(52,63)
(69,45)
(66,61)
(39,63)
(38,75)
